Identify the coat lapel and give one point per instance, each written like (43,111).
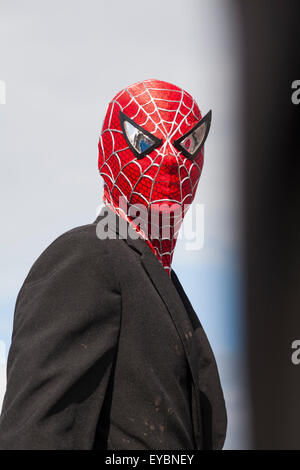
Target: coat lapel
(209,415)
(171,298)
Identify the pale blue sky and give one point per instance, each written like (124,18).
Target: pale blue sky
(62,62)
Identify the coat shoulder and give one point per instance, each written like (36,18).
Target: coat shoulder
(78,247)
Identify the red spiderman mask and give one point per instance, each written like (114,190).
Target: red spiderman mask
(151,158)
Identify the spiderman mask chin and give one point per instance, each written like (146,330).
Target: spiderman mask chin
(151,153)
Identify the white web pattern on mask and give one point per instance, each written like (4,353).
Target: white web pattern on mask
(152,161)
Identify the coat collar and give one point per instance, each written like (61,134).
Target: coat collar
(167,286)
(209,407)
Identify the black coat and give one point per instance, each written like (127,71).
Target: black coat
(107,352)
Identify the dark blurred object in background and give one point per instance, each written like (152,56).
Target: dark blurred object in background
(272,190)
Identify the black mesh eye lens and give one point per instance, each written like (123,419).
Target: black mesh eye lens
(140,140)
(137,138)
(193,142)
(190,143)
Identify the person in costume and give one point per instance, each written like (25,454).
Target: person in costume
(107,351)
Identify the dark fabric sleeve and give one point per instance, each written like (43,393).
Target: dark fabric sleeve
(65,337)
